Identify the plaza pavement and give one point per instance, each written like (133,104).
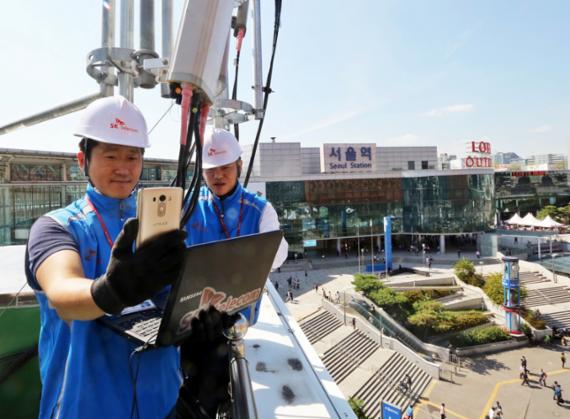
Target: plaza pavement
(479,382)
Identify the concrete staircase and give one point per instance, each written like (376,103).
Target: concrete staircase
(384,385)
(527,278)
(558,319)
(343,358)
(317,326)
(545,296)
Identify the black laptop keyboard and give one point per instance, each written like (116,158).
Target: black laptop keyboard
(144,323)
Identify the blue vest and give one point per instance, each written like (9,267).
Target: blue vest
(87,370)
(205,225)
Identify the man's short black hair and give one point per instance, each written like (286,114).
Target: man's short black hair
(86,145)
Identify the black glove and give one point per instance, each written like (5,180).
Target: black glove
(133,277)
(205,362)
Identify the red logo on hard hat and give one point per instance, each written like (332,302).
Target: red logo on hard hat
(214,152)
(120,124)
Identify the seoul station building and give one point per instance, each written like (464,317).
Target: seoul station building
(328,198)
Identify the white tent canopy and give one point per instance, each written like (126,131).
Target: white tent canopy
(515,219)
(548,222)
(530,221)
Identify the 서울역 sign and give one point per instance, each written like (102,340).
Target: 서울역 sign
(343,158)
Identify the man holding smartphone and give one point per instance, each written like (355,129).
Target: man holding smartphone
(224,210)
(81,264)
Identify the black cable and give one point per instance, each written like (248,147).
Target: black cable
(197,174)
(267,89)
(234,90)
(134,405)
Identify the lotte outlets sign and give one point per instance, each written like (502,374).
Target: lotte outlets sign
(478,154)
(345,158)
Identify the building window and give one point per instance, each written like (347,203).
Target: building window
(23,172)
(411,165)
(424,164)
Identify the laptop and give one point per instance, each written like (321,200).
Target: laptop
(228,274)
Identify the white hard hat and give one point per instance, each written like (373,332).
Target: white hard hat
(220,148)
(113,120)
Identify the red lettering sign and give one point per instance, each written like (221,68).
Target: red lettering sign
(478,162)
(481,147)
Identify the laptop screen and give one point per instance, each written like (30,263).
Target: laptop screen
(228,274)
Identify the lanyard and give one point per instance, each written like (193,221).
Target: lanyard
(221,217)
(103,226)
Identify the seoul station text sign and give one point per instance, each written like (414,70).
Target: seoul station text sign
(344,158)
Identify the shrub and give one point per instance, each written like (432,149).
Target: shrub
(366,283)
(464,269)
(471,318)
(387,297)
(533,318)
(494,288)
(479,336)
(357,407)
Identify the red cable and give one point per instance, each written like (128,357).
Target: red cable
(185,108)
(203,117)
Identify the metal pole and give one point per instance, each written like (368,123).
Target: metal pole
(257,68)
(56,112)
(126,82)
(166,40)
(358,246)
(371,247)
(147,24)
(108,41)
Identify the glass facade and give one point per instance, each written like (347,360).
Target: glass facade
(529,191)
(327,209)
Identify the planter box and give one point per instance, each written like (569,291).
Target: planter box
(491,348)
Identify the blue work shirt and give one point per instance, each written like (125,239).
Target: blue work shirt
(88,370)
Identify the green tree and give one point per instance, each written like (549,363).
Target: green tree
(564,214)
(357,407)
(464,269)
(366,283)
(551,210)
(387,297)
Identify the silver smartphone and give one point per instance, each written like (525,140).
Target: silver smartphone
(158,211)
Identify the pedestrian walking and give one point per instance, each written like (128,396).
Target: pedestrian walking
(442,413)
(499,410)
(478,254)
(563,359)
(354,322)
(408,381)
(525,378)
(557,393)
(409,412)
(491,414)
(459,254)
(523,361)
(542,378)
(276,285)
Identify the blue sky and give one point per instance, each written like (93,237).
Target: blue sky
(416,72)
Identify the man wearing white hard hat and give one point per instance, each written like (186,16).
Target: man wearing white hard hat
(224,210)
(81,264)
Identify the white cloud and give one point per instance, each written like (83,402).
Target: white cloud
(541,129)
(461,108)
